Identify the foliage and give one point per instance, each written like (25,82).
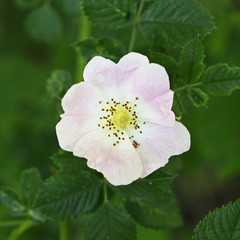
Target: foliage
(170,33)
(67,194)
(173,22)
(58,83)
(191,64)
(66,161)
(198,97)
(167,61)
(11,200)
(106,46)
(159,213)
(220,79)
(30,181)
(110,13)
(148,188)
(223,223)
(110,222)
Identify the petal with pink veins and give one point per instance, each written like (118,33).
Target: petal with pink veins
(82,108)
(101,73)
(132,61)
(131,98)
(159,143)
(119,164)
(157,110)
(109,77)
(148,82)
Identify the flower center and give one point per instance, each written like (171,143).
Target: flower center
(120,121)
(121,118)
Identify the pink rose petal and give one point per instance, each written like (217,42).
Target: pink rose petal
(120,164)
(120,119)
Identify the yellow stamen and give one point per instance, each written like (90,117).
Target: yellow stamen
(122,119)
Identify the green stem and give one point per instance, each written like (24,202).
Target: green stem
(105,191)
(187,86)
(16,233)
(84,32)
(11,223)
(64,230)
(135,26)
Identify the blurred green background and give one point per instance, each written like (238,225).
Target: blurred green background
(209,174)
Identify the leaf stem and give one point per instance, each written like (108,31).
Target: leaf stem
(135,26)
(16,233)
(105,191)
(83,32)
(64,230)
(187,86)
(11,223)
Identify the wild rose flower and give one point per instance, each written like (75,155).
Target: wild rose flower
(120,119)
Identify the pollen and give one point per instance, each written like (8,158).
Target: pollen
(120,119)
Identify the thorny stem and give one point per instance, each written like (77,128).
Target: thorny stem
(135,26)
(83,32)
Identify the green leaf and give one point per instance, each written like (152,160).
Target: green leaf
(198,97)
(10,199)
(173,22)
(110,13)
(191,64)
(26,4)
(31,181)
(67,194)
(58,83)
(67,161)
(178,107)
(68,6)
(168,62)
(160,213)
(221,224)
(221,79)
(106,46)
(44,25)
(146,188)
(110,222)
